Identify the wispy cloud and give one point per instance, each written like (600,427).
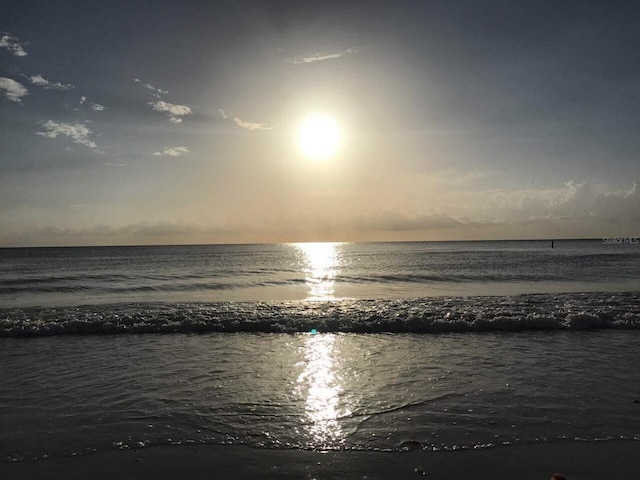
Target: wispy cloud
(12,44)
(13,90)
(96,107)
(319,57)
(253,125)
(141,228)
(40,81)
(156,91)
(221,113)
(173,111)
(172,152)
(77,132)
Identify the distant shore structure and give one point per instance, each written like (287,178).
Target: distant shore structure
(551,243)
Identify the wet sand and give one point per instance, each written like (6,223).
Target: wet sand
(576,460)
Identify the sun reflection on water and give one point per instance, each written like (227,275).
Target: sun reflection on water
(319,382)
(321,265)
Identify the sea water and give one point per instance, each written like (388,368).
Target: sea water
(382,346)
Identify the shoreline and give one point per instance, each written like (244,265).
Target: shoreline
(576,460)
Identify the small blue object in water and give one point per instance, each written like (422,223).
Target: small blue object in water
(313,331)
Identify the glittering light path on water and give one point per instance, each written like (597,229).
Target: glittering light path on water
(321,265)
(319,382)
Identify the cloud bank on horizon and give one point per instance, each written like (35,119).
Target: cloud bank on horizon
(480,121)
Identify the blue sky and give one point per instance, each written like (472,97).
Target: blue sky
(176,121)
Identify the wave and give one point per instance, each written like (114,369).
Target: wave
(163,286)
(118,284)
(428,315)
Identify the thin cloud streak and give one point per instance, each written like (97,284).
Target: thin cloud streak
(156,91)
(253,125)
(322,56)
(161,228)
(172,152)
(39,81)
(14,91)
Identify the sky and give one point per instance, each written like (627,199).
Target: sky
(176,122)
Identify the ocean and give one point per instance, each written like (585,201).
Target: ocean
(323,346)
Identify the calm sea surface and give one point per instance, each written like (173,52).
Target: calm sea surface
(386,346)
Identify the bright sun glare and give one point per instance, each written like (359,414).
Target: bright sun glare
(319,137)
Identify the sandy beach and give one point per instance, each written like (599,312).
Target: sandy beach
(576,460)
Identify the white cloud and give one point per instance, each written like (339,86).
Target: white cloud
(77,132)
(96,107)
(40,81)
(172,152)
(222,114)
(253,125)
(575,201)
(157,91)
(14,91)
(322,56)
(173,111)
(12,44)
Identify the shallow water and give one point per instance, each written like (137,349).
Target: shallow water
(67,395)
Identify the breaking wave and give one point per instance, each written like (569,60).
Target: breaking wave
(427,315)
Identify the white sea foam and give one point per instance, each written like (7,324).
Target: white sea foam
(427,315)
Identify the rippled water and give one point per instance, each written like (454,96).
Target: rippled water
(390,392)
(419,345)
(314,271)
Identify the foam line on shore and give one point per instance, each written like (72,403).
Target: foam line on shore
(576,460)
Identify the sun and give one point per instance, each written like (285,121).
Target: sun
(319,137)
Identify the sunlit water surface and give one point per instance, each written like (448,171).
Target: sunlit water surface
(551,367)
(77,394)
(312,271)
